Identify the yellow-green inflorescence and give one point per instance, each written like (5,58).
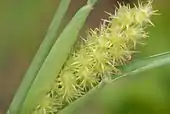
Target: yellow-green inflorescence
(98,55)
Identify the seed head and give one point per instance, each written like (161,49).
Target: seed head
(100,54)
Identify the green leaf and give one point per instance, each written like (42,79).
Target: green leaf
(132,68)
(55,60)
(147,63)
(39,58)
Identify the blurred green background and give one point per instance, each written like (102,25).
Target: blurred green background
(23,25)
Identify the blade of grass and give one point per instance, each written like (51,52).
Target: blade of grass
(39,58)
(134,67)
(147,63)
(55,60)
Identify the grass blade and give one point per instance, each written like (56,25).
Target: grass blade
(147,63)
(134,67)
(55,60)
(38,59)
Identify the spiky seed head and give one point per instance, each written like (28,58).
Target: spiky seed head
(98,55)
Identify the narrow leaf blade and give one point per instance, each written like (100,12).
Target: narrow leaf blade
(38,59)
(55,60)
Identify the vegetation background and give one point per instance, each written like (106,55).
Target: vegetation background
(24,23)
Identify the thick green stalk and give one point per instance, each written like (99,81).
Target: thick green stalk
(38,59)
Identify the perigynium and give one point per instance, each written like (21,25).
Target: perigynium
(98,55)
